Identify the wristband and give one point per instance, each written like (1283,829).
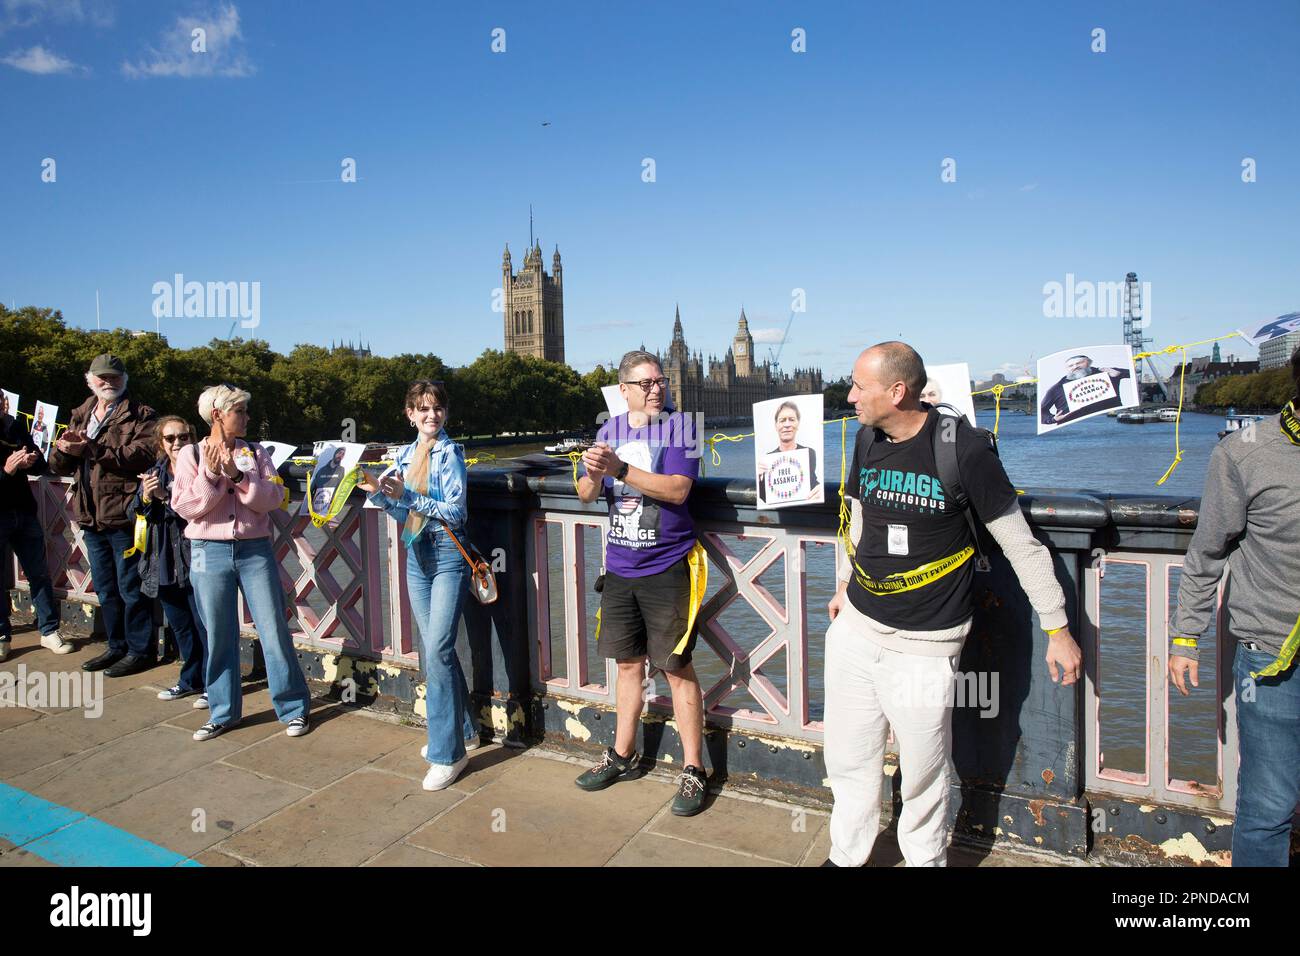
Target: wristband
(1185,642)
(622,472)
(1056,630)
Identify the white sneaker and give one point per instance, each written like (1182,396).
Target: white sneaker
(54,642)
(201,703)
(441,776)
(4,649)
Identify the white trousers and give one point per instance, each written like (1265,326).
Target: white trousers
(870,688)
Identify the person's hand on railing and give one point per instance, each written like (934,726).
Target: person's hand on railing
(1063,653)
(1181,668)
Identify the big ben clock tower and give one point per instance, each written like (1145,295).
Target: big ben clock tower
(742,347)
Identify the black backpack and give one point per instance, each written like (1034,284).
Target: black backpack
(945,458)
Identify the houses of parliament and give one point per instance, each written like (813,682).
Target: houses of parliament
(722,388)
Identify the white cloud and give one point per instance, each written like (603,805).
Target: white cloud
(40,61)
(175,55)
(767,336)
(19,14)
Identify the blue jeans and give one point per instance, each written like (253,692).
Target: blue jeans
(436,581)
(182,612)
(218,570)
(22,534)
(1268,777)
(127,613)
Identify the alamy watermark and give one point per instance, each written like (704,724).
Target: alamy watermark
(208,300)
(1083,299)
(73,690)
(977,689)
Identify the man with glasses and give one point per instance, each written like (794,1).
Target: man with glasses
(20,531)
(644,463)
(109,442)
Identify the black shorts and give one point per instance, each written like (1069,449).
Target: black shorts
(646,617)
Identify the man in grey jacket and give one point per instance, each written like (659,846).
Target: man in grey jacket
(1250,524)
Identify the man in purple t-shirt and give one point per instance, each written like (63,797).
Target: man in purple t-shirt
(644,463)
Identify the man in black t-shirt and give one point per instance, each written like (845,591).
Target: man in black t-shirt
(903,606)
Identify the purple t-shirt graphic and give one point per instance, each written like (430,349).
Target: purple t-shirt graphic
(646,535)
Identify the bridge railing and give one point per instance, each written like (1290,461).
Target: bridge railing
(762,629)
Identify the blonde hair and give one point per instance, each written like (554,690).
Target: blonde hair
(223,397)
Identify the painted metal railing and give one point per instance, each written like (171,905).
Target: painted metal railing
(345,591)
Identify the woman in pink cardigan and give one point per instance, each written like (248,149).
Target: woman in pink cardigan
(226,489)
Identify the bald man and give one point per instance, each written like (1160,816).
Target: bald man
(903,606)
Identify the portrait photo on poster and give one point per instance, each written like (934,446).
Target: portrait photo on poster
(8,402)
(1261,332)
(280,451)
(950,385)
(43,426)
(333,462)
(390,470)
(1079,383)
(789,446)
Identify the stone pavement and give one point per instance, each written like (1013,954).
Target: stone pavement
(348,794)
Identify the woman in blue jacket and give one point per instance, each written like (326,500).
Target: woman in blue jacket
(425,492)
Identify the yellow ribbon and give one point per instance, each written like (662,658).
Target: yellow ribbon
(140,536)
(337,502)
(697,561)
(1285,656)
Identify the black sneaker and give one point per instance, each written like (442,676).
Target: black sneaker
(692,785)
(611,768)
(211,729)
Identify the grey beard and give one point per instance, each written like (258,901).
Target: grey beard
(1080,373)
(108,394)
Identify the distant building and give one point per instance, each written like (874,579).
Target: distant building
(534,306)
(1278,351)
(728,387)
(359,351)
(1202,369)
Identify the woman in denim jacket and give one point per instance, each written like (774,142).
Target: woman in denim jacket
(425,492)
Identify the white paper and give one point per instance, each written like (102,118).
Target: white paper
(950,384)
(43,426)
(1271,328)
(789,435)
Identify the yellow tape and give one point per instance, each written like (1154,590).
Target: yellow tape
(1185,641)
(140,535)
(698,562)
(1285,656)
(337,502)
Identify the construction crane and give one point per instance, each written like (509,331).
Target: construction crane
(775,357)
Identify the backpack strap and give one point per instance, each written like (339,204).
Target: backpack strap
(945,459)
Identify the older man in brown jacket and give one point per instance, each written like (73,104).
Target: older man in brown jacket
(109,442)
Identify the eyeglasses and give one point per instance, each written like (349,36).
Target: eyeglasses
(180,437)
(648,383)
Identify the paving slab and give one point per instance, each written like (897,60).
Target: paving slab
(485,764)
(198,809)
(13,716)
(11,855)
(213,858)
(651,849)
(339,743)
(779,833)
(344,824)
(533,815)
(35,744)
(122,714)
(104,775)
(403,854)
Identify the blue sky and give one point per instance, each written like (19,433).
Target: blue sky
(774,170)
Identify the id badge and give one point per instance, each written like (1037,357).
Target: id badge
(898,539)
